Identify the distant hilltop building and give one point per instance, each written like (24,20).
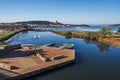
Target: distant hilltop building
(58,23)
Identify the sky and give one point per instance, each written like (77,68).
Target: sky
(65,11)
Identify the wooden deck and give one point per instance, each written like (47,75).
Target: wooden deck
(33,63)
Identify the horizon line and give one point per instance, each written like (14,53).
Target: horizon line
(60,22)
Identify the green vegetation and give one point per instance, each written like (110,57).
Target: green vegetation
(118,30)
(8,34)
(105,36)
(93,35)
(3,44)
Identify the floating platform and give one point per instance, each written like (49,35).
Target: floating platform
(31,65)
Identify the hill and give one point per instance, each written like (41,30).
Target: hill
(35,22)
(115,25)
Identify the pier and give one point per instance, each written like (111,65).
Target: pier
(27,61)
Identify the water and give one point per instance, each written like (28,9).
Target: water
(94,61)
(83,28)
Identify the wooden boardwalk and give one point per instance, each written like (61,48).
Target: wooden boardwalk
(32,65)
(5,74)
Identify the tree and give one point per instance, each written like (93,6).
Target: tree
(108,30)
(118,30)
(69,33)
(2,27)
(103,31)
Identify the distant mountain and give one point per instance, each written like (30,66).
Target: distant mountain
(35,22)
(115,25)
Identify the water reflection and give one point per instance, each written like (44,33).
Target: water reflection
(91,64)
(100,45)
(27,37)
(68,37)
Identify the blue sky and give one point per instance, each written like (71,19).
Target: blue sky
(65,11)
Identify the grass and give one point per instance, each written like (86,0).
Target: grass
(84,33)
(3,44)
(110,38)
(77,34)
(73,33)
(6,35)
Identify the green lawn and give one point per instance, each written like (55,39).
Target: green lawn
(3,44)
(6,35)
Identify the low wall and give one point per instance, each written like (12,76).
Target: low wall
(12,47)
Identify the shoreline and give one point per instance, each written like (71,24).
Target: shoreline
(12,34)
(111,40)
(7,36)
(75,34)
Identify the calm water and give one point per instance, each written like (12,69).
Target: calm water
(94,61)
(83,28)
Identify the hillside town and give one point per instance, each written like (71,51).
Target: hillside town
(29,24)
